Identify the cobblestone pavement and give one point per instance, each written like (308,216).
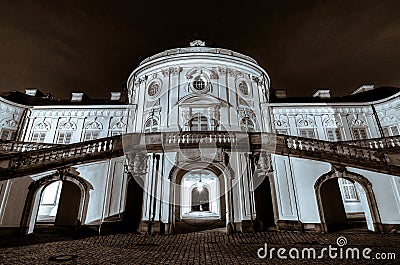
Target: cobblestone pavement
(212,247)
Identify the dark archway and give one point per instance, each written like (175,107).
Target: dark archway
(332,206)
(133,204)
(330,201)
(69,205)
(200,200)
(264,205)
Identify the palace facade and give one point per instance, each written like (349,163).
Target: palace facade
(198,140)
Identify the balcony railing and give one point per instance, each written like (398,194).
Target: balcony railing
(17,146)
(377,143)
(43,158)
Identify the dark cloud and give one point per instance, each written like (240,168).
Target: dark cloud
(92,46)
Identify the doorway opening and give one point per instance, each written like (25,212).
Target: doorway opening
(133,204)
(59,205)
(346,205)
(264,206)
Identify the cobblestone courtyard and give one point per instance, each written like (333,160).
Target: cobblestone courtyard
(212,247)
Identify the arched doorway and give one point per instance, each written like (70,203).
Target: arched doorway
(59,205)
(200,199)
(53,201)
(346,202)
(133,204)
(264,205)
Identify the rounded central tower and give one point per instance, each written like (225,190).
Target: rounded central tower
(198,88)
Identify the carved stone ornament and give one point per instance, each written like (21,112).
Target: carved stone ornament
(264,163)
(305,123)
(197,43)
(330,122)
(119,125)
(9,123)
(137,163)
(94,125)
(171,70)
(69,125)
(42,126)
(358,123)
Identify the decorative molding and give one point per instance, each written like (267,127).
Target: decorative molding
(137,163)
(42,126)
(305,123)
(94,125)
(389,120)
(171,71)
(358,123)
(330,122)
(210,73)
(69,125)
(119,125)
(9,123)
(230,72)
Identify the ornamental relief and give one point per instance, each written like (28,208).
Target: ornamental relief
(244,112)
(69,125)
(94,125)
(230,72)
(305,122)
(210,73)
(171,71)
(42,126)
(9,123)
(389,120)
(330,121)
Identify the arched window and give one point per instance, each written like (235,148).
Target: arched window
(151,125)
(247,125)
(198,123)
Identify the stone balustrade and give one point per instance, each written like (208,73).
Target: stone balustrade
(199,137)
(16,146)
(45,157)
(377,143)
(60,153)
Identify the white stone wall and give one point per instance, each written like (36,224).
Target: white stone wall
(11,115)
(103,121)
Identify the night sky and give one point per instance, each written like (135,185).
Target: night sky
(92,46)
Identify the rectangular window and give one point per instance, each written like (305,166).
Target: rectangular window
(91,135)
(359,133)
(307,133)
(7,135)
(333,134)
(64,137)
(38,137)
(114,133)
(349,190)
(390,130)
(282,131)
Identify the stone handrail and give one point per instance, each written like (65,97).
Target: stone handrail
(216,137)
(60,154)
(346,151)
(348,154)
(17,146)
(377,143)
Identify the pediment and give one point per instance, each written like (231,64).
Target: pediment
(202,100)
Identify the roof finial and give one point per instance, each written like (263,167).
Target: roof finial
(197,43)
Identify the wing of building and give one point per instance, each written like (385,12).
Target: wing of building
(198,139)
